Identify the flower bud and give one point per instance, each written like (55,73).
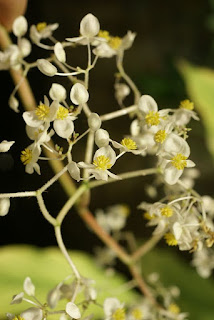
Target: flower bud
(101,138)
(46,67)
(59,52)
(25,47)
(89,26)
(72,310)
(13,103)
(29,287)
(20,26)
(94,121)
(6,145)
(4,206)
(57,92)
(79,94)
(74,171)
(32,314)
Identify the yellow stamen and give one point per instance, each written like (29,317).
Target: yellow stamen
(115,42)
(119,314)
(62,113)
(137,314)
(102,163)
(125,210)
(104,34)
(174,308)
(186,104)
(152,118)
(170,239)
(160,136)
(18,318)
(42,111)
(41,26)
(26,156)
(166,211)
(129,144)
(179,161)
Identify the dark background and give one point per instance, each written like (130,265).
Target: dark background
(166,32)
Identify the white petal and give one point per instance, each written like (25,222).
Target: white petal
(128,40)
(29,287)
(147,104)
(107,152)
(4,206)
(79,94)
(20,26)
(177,230)
(31,119)
(59,52)
(53,297)
(25,47)
(72,310)
(64,128)
(89,26)
(6,145)
(104,51)
(171,174)
(32,314)
(74,171)
(110,305)
(101,138)
(176,144)
(190,164)
(94,121)
(46,67)
(57,92)
(17,298)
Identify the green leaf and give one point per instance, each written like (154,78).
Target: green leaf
(46,268)
(200,87)
(197,294)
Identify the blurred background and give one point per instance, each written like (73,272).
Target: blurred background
(167,32)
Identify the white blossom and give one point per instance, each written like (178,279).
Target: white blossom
(20,26)
(6,145)
(79,94)
(4,206)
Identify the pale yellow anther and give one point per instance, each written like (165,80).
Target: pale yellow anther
(115,42)
(179,161)
(152,118)
(148,216)
(102,163)
(166,211)
(160,136)
(104,34)
(119,314)
(62,113)
(174,308)
(170,239)
(18,318)
(125,210)
(41,26)
(26,156)
(42,111)
(129,144)
(137,314)
(186,104)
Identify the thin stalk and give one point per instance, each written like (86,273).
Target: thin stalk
(18,194)
(44,210)
(119,113)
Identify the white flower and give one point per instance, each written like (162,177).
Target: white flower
(74,171)
(203,260)
(29,287)
(127,145)
(72,310)
(177,153)
(17,298)
(104,159)
(113,308)
(4,206)
(6,145)
(94,121)
(128,40)
(20,26)
(30,156)
(46,67)
(57,92)
(42,31)
(32,314)
(184,113)
(79,94)
(59,52)
(103,50)
(101,138)
(121,91)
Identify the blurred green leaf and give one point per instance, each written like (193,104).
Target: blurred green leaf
(197,294)
(200,87)
(46,268)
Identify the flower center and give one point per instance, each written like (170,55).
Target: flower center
(18,318)
(104,34)
(186,104)
(102,163)
(179,161)
(137,314)
(119,314)
(166,211)
(152,118)
(174,308)
(42,111)
(129,144)
(26,156)
(170,239)
(115,42)
(41,26)
(160,136)
(62,113)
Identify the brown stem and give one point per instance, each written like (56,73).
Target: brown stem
(146,247)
